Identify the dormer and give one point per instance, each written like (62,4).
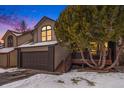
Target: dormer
(14,39)
(10,38)
(44,30)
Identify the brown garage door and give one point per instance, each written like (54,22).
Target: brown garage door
(35,60)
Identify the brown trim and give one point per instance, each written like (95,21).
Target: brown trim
(19,58)
(16,41)
(51,50)
(37,36)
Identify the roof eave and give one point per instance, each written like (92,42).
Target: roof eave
(42,20)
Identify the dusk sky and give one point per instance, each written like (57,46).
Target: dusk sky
(11,15)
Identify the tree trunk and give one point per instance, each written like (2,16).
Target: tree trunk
(91,58)
(85,61)
(116,62)
(104,60)
(101,54)
(100,59)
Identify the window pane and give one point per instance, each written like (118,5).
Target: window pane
(43,38)
(106,45)
(44,33)
(49,33)
(44,28)
(49,27)
(93,47)
(49,38)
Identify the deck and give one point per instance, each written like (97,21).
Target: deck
(79,62)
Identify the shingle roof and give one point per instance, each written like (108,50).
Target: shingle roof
(17,33)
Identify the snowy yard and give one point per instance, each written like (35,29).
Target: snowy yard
(70,80)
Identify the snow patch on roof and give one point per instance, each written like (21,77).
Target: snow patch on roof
(38,44)
(6,50)
(17,34)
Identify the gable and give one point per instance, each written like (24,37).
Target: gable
(7,34)
(6,39)
(44,21)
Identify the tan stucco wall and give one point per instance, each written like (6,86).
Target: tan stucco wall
(45,48)
(14,39)
(3,60)
(37,33)
(24,38)
(60,55)
(13,58)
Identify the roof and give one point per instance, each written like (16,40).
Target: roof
(42,20)
(6,50)
(17,34)
(38,44)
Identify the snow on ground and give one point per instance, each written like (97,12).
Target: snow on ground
(2,70)
(108,80)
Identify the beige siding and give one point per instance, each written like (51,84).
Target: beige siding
(13,58)
(24,38)
(60,55)
(35,36)
(37,33)
(34,49)
(14,40)
(3,60)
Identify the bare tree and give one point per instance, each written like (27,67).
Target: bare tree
(22,26)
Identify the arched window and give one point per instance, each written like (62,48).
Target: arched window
(46,34)
(10,41)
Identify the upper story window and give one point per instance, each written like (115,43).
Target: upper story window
(10,41)
(46,34)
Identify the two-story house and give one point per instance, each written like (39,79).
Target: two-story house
(43,52)
(36,49)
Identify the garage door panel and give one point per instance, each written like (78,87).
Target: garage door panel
(35,60)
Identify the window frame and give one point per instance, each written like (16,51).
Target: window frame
(46,31)
(10,42)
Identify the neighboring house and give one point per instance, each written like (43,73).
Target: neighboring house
(12,39)
(37,49)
